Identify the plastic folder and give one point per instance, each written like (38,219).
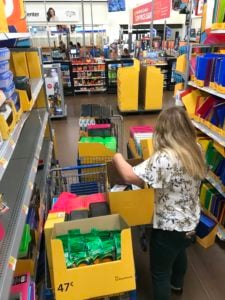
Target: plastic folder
(205,108)
(204,188)
(204,142)
(221,12)
(214,114)
(205,225)
(190,100)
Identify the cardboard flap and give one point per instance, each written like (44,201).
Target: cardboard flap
(113,175)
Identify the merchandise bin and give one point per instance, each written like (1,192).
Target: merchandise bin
(52,219)
(151,88)
(128,87)
(28,264)
(26,64)
(101,279)
(7,125)
(209,240)
(18,106)
(134,206)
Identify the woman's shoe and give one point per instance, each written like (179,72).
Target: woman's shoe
(177,290)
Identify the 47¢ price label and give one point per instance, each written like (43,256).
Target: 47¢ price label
(65,287)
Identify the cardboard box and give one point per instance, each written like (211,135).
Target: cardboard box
(52,219)
(95,280)
(134,206)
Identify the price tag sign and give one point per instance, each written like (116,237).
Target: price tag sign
(3,163)
(25,209)
(12,143)
(65,287)
(12,263)
(31,186)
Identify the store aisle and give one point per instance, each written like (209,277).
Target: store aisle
(206,272)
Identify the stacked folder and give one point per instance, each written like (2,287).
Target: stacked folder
(205,226)
(209,71)
(204,107)
(216,162)
(213,201)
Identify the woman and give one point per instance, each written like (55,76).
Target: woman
(175,171)
(51,17)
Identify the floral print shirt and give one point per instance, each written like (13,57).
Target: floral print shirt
(177,204)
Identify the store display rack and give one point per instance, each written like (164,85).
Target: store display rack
(204,128)
(207,90)
(19,159)
(8,146)
(88,75)
(217,185)
(54,90)
(112,66)
(212,134)
(17,192)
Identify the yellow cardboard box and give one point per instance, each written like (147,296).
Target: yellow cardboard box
(52,219)
(134,206)
(95,280)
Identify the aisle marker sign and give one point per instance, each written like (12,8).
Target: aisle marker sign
(143,13)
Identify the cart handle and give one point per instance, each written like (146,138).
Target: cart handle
(81,167)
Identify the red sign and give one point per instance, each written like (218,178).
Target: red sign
(143,13)
(161,9)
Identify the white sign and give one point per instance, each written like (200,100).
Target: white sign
(56,12)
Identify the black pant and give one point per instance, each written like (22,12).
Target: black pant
(168,261)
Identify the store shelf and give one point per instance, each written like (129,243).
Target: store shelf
(46,155)
(36,85)
(14,35)
(83,91)
(207,90)
(214,135)
(217,185)
(102,84)
(85,71)
(16,186)
(88,64)
(7,148)
(85,78)
(218,31)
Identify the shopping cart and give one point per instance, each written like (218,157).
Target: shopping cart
(81,180)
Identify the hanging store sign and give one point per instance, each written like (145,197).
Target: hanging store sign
(12,16)
(143,13)
(37,12)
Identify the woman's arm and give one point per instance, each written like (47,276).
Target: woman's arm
(126,171)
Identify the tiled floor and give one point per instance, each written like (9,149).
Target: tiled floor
(205,279)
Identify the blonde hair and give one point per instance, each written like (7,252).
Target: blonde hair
(174,133)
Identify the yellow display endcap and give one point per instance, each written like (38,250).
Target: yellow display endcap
(181,63)
(104,278)
(20,63)
(33,64)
